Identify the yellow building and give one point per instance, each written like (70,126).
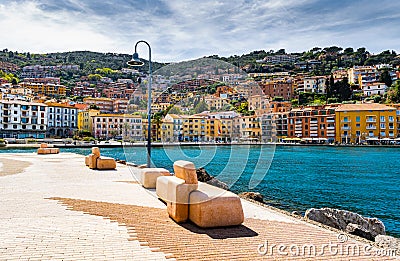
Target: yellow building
(166,130)
(371,122)
(45,88)
(250,128)
(195,128)
(85,119)
(216,103)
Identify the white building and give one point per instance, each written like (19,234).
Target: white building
(19,119)
(376,88)
(120,126)
(315,84)
(62,120)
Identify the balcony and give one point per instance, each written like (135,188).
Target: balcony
(346,128)
(330,134)
(346,121)
(313,128)
(371,127)
(314,135)
(371,120)
(330,120)
(314,122)
(330,128)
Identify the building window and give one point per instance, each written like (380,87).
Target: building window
(345,119)
(391,119)
(382,118)
(358,119)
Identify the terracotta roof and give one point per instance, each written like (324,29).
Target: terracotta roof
(118,115)
(81,106)
(364,107)
(54,104)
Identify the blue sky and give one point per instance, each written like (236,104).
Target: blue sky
(186,29)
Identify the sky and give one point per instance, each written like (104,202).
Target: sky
(179,30)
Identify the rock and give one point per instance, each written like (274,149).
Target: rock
(203,176)
(253,196)
(359,231)
(215,182)
(383,241)
(296,213)
(340,219)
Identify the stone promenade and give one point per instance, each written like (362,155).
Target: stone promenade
(52,207)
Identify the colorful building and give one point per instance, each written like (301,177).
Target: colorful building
(62,119)
(278,88)
(315,123)
(21,120)
(46,89)
(372,122)
(85,119)
(120,126)
(103,104)
(195,128)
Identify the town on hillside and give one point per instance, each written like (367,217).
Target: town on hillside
(329,95)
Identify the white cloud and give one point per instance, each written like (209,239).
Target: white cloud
(25,27)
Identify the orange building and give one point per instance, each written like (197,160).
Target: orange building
(312,123)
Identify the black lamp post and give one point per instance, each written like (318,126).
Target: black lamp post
(135,61)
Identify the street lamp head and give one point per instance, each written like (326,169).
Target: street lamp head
(135,61)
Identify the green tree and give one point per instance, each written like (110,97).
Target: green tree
(393,94)
(200,107)
(175,110)
(385,78)
(344,89)
(94,77)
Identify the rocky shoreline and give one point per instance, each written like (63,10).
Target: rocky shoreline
(369,230)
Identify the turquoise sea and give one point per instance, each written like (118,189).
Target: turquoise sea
(365,180)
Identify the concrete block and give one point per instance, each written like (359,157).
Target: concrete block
(92,161)
(178,212)
(87,160)
(162,187)
(54,150)
(149,176)
(104,163)
(96,151)
(41,151)
(175,192)
(214,207)
(186,171)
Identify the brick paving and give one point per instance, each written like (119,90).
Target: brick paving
(58,209)
(188,242)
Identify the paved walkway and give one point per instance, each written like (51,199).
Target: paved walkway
(55,208)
